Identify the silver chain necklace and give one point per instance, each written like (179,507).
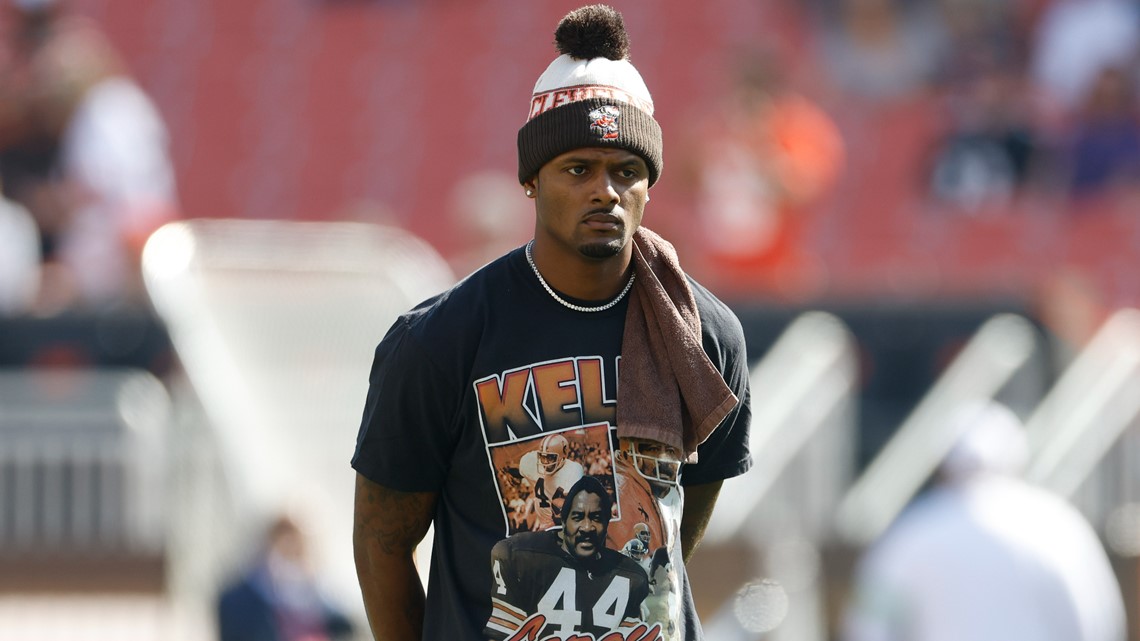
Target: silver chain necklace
(567,304)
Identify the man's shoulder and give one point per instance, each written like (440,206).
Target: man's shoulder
(458,304)
(543,543)
(721,330)
(624,565)
(715,313)
(528,465)
(240,595)
(573,469)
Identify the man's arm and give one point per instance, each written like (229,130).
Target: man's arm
(387,526)
(699,502)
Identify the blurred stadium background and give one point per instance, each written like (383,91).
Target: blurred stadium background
(927,201)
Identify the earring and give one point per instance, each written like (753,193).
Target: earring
(529,193)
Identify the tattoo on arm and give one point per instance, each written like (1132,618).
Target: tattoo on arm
(387,526)
(396,521)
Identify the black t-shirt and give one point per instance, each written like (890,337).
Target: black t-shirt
(497,397)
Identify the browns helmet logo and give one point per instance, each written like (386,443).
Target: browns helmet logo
(604,122)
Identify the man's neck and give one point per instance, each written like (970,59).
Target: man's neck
(582,277)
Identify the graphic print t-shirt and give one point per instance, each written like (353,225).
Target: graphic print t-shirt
(499,399)
(540,590)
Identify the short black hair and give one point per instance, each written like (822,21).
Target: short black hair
(592,485)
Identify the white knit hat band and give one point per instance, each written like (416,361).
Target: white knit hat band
(542,102)
(589,96)
(569,79)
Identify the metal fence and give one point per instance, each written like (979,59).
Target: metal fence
(81,462)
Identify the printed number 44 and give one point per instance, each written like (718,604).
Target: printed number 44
(560,607)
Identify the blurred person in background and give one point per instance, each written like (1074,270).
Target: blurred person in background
(985,556)
(759,164)
(19,259)
(1075,39)
(879,51)
(1072,306)
(84,150)
(992,146)
(278,598)
(1104,153)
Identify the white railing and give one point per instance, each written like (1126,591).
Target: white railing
(803,444)
(82,462)
(796,389)
(1088,410)
(996,352)
(275,323)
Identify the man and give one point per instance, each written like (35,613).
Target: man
(85,150)
(637,548)
(637,551)
(278,598)
(522,511)
(534,344)
(566,582)
(649,488)
(663,598)
(551,473)
(986,556)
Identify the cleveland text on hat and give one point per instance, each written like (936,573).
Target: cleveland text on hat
(544,102)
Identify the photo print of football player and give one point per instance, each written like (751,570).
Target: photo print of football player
(637,548)
(664,601)
(520,508)
(649,494)
(541,470)
(551,473)
(566,583)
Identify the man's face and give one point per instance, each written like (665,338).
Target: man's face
(643,534)
(584,530)
(658,461)
(549,461)
(590,201)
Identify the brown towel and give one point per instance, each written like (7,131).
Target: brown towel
(668,389)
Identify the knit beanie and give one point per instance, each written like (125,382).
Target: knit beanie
(590,96)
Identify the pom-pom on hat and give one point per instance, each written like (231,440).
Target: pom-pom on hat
(590,96)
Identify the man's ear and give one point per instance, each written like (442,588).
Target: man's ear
(530,187)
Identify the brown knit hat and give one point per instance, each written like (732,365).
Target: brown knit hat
(590,96)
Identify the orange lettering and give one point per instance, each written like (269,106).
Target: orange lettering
(596,408)
(529,630)
(652,634)
(556,386)
(504,408)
